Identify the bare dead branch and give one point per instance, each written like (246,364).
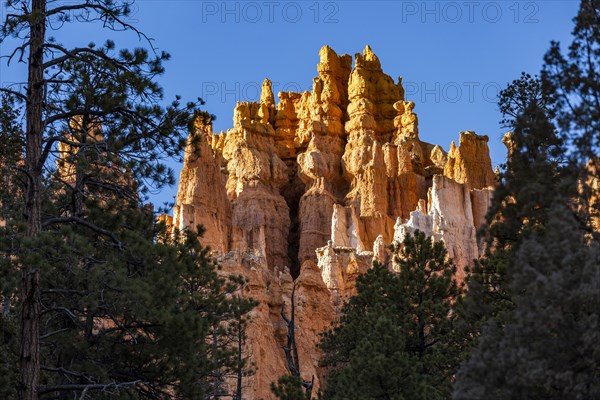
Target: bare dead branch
(104,14)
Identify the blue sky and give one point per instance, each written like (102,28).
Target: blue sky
(454,56)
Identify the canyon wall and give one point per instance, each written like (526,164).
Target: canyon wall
(310,190)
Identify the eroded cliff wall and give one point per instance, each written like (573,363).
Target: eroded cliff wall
(314,188)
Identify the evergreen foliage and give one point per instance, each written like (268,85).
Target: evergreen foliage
(397,338)
(546,347)
(574,79)
(289,388)
(109,305)
(543,345)
(530,182)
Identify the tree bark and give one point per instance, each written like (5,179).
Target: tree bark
(240,360)
(29,354)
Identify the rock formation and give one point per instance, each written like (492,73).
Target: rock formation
(201,196)
(316,187)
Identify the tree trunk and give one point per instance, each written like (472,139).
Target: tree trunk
(29,356)
(240,360)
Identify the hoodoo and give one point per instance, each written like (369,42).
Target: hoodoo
(310,190)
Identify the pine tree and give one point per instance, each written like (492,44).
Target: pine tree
(396,338)
(547,347)
(11,150)
(10,153)
(531,179)
(527,187)
(542,346)
(530,182)
(110,306)
(574,79)
(128,310)
(138,320)
(134,314)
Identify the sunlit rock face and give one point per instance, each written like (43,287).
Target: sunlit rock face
(314,188)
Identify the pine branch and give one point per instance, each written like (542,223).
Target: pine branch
(85,388)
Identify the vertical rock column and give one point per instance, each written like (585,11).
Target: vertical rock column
(260,215)
(320,164)
(374,165)
(201,196)
(470,163)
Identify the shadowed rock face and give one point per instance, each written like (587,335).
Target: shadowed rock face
(315,188)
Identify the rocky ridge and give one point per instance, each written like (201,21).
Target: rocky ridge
(313,188)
